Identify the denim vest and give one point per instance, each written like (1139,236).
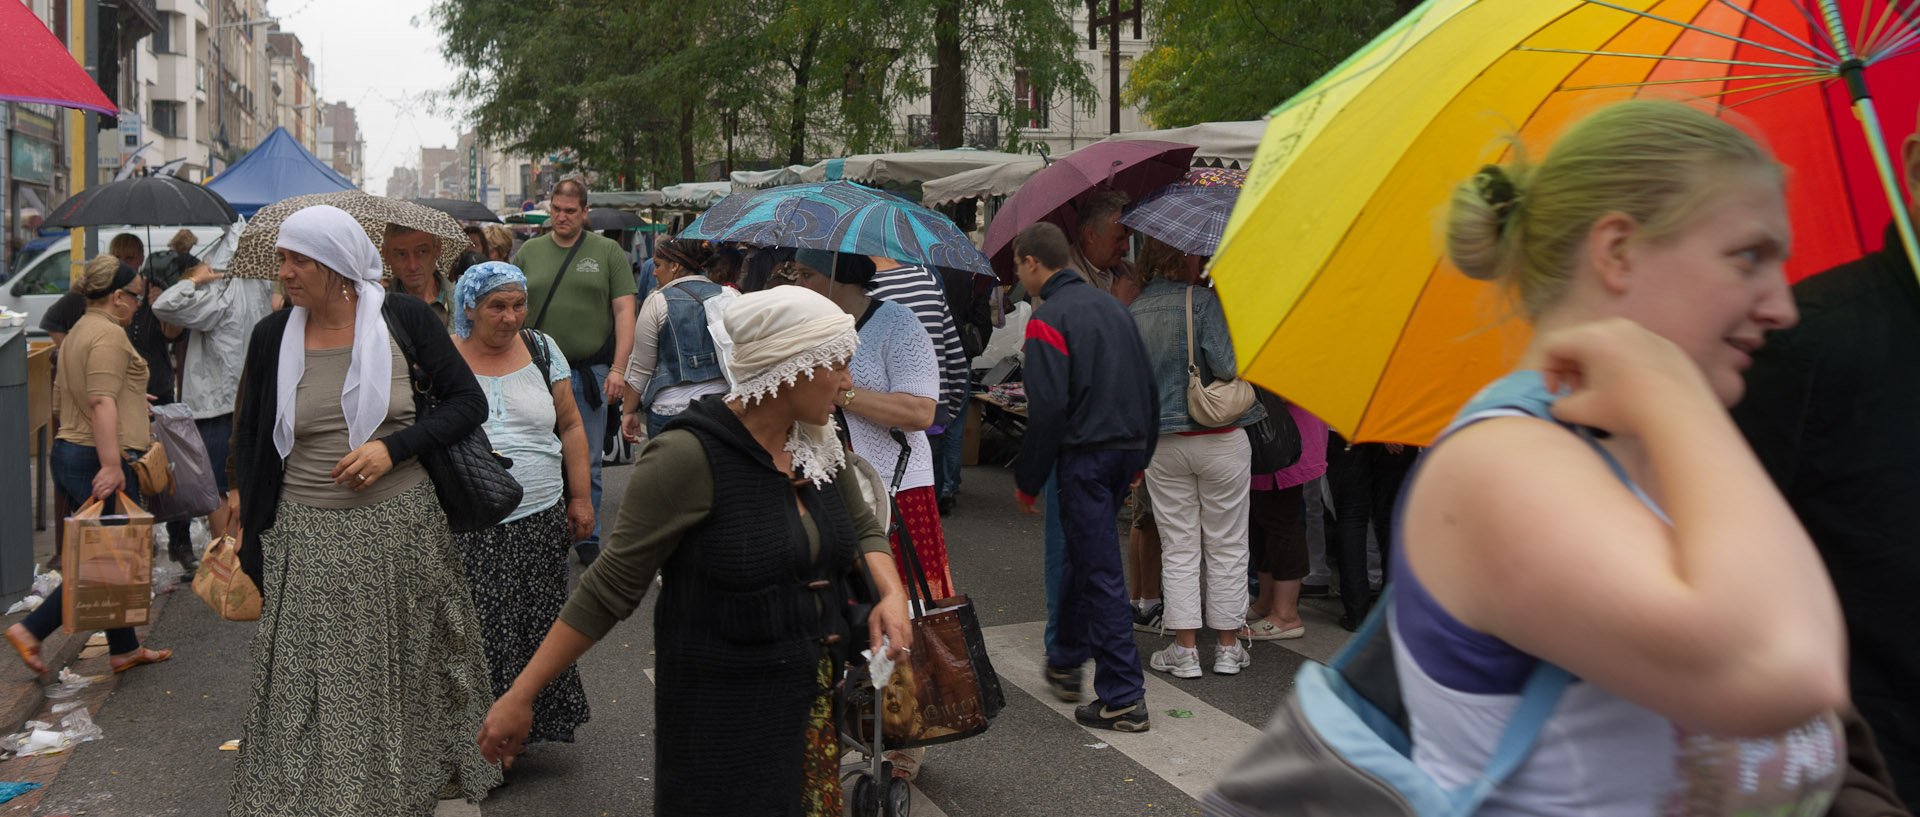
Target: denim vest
(1161,315)
(686,347)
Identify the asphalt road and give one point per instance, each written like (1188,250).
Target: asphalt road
(164,724)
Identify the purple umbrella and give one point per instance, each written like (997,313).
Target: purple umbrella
(1135,168)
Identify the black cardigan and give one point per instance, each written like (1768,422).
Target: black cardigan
(254,466)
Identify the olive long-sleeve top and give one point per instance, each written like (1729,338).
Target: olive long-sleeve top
(669,492)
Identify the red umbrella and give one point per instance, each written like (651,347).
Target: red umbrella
(36,67)
(1135,168)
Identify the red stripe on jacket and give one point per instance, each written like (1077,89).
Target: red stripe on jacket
(1039,330)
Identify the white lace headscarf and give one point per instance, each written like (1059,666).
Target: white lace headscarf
(780,335)
(336,241)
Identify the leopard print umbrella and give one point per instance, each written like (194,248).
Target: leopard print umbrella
(254,258)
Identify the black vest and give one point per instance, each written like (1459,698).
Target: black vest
(743,621)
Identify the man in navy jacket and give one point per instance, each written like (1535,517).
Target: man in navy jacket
(1092,416)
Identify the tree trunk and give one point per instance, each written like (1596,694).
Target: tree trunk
(949,76)
(685,136)
(797,107)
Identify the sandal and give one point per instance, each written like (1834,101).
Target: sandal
(1264,630)
(143,656)
(29,651)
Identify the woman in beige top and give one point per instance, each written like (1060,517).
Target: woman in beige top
(101,380)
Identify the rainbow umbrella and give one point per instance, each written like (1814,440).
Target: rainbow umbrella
(1332,270)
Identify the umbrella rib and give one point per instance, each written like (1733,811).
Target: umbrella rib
(1776,29)
(1896,43)
(1804,77)
(1781,86)
(1775,92)
(1868,42)
(1814,59)
(1709,60)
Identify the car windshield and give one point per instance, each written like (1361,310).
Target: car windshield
(49,277)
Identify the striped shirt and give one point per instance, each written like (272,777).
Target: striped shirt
(918,289)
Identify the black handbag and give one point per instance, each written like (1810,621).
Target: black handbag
(1276,439)
(469,477)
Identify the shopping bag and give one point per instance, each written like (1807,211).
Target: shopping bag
(194,492)
(223,585)
(107,567)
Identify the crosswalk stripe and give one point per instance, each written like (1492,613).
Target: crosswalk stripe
(922,807)
(1190,753)
(456,808)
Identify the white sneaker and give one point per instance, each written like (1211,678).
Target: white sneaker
(1231,660)
(1178,661)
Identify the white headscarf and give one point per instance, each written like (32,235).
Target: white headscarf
(336,241)
(778,335)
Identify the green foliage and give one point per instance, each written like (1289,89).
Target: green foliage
(1225,60)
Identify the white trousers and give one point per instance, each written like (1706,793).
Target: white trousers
(1200,489)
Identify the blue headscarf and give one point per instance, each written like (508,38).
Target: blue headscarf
(475,284)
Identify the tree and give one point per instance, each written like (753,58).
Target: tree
(992,40)
(1225,60)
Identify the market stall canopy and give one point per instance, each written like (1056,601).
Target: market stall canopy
(981,182)
(627,198)
(757,179)
(36,67)
(906,168)
(696,195)
(278,168)
(1218,144)
(459,208)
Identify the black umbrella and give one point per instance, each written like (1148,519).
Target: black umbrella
(613,218)
(460,209)
(143,200)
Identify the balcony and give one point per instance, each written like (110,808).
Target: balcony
(982,131)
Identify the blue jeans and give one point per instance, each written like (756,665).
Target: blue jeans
(947,450)
(595,420)
(73,467)
(657,423)
(216,433)
(1095,619)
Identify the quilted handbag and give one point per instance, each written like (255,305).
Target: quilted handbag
(469,477)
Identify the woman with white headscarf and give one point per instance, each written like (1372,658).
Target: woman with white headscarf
(518,568)
(753,626)
(368,670)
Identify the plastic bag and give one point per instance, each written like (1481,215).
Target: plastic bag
(78,727)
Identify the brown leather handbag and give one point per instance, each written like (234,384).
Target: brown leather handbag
(152,471)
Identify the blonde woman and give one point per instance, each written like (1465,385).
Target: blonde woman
(1597,510)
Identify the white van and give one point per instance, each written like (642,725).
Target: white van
(43,278)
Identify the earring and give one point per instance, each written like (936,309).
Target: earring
(346,294)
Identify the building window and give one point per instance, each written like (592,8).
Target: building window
(163,36)
(1035,104)
(166,118)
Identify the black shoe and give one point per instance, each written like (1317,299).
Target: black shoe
(588,551)
(182,554)
(1309,591)
(946,504)
(1349,623)
(1150,619)
(1129,718)
(1065,683)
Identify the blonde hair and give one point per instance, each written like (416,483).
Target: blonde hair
(97,277)
(183,241)
(1656,162)
(498,240)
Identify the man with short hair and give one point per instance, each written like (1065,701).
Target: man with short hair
(1833,410)
(414,257)
(1092,421)
(1100,251)
(580,291)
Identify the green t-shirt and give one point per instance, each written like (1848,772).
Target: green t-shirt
(581,317)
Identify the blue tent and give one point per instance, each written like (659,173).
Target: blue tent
(275,170)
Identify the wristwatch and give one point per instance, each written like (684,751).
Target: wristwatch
(846,397)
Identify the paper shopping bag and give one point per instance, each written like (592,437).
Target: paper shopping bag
(107,567)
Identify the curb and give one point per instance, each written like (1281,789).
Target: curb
(23,695)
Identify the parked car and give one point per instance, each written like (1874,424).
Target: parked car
(43,277)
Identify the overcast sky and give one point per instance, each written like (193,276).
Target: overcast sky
(383,58)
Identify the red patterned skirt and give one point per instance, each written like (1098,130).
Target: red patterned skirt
(920,514)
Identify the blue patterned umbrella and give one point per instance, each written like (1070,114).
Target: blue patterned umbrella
(841,217)
(1189,215)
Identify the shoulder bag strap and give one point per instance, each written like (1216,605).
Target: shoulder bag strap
(540,320)
(416,376)
(1191,369)
(1537,701)
(537,348)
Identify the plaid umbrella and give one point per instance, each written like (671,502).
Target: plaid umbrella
(840,217)
(1191,214)
(255,257)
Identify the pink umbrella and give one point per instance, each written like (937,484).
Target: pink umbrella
(1135,168)
(36,67)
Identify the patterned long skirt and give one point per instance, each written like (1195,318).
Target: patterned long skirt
(518,574)
(369,680)
(920,514)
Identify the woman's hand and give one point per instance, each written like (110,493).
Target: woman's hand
(891,619)
(363,466)
(504,733)
(580,517)
(632,427)
(203,275)
(107,482)
(1616,375)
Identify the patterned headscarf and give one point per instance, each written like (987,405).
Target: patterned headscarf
(475,284)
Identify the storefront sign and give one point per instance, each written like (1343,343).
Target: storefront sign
(32,159)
